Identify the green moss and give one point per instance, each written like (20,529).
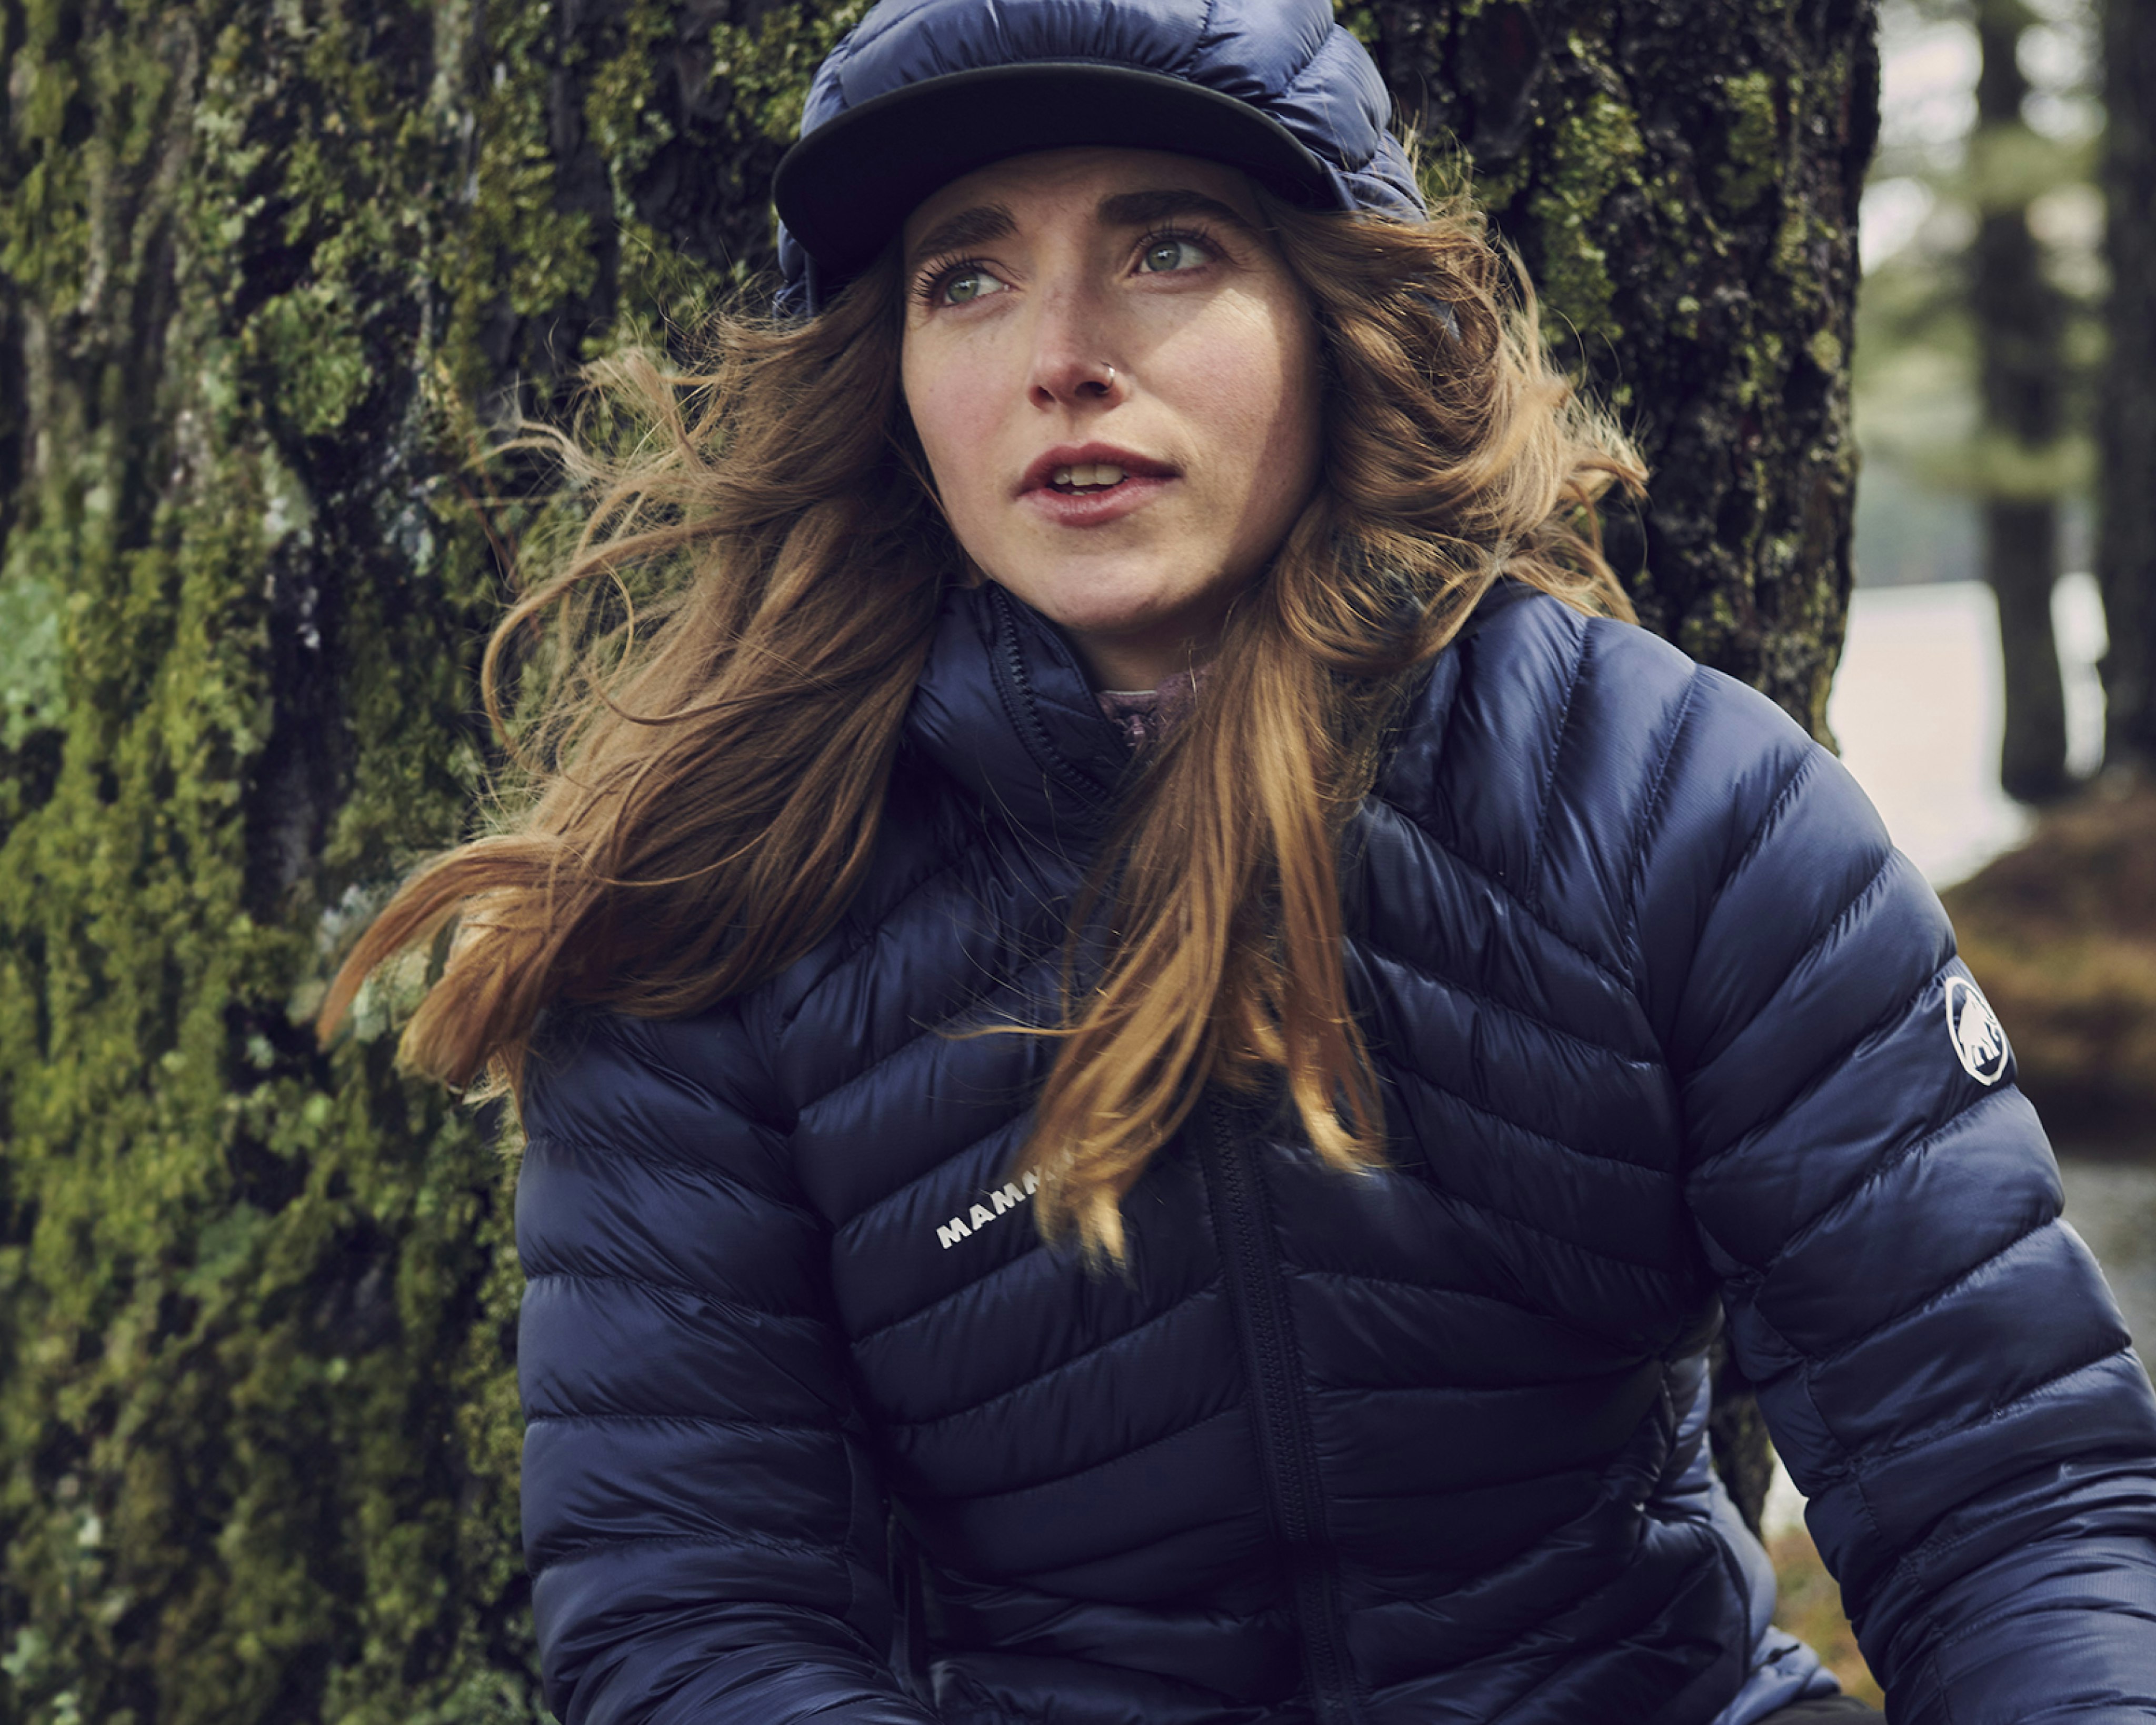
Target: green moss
(1751,164)
(768,67)
(31,697)
(307,339)
(1359,20)
(1594,151)
(259,1433)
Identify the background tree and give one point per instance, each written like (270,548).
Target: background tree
(2062,930)
(269,269)
(2126,545)
(2021,319)
(1979,331)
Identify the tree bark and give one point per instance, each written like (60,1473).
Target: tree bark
(2126,543)
(2020,324)
(1681,182)
(268,271)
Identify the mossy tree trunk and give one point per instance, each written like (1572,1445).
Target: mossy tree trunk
(268,270)
(2126,545)
(1681,182)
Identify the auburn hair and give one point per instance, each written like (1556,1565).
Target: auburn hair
(700,776)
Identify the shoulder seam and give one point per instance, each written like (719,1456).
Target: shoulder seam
(658,1285)
(1533,883)
(622,1027)
(710,1172)
(872,930)
(1649,813)
(1527,907)
(1807,764)
(1826,932)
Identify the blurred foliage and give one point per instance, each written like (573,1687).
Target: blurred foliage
(1917,415)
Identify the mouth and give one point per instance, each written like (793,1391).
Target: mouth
(1092,471)
(1086,477)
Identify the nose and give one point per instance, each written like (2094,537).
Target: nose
(1071,362)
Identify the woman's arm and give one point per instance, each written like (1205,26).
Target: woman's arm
(1937,1357)
(701,1517)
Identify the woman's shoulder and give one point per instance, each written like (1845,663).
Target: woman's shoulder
(1541,673)
(596,1076)
(1537,707)
(1594,769)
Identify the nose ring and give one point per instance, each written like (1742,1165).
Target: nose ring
(1108,376)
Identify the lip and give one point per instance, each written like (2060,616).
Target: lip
(1144,478)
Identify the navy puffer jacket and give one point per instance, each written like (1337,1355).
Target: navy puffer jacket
(819,1430)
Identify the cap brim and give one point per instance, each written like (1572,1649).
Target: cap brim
(846,189)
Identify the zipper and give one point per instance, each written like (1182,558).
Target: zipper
(1014,687)
(1243,1222)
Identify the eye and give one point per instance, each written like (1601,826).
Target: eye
(966,283)
(1170,252)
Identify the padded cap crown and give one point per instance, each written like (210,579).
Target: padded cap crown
(923,91)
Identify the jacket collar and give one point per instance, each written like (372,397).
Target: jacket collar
(1006,708)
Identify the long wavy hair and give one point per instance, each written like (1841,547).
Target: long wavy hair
(702,776)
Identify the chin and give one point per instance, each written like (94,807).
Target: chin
(1092,608)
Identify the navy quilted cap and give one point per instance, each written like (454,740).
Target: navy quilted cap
(921,91)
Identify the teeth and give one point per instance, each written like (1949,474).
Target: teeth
(1087,473)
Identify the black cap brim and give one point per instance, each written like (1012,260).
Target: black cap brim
(846,189)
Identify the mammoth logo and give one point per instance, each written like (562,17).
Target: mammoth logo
(1980,1043)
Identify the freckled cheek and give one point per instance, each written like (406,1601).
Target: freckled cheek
(954,415)
(1255,401)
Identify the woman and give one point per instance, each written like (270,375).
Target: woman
(1165,1040)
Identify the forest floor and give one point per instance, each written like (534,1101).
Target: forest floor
(1810,1610)
(2061,935)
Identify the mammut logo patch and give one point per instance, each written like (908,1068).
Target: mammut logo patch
(1980,1043)
(1002,1201)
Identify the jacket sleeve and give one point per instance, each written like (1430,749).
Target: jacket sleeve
(701,1521)
(1937,1357)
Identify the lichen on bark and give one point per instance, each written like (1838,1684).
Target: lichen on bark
(267,271)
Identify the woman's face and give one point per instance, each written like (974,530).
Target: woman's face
(1115,380)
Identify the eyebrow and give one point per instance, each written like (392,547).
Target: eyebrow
(985,222)
(969,228)
(1141,209)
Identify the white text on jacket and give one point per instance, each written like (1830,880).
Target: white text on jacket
(1007,1197)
